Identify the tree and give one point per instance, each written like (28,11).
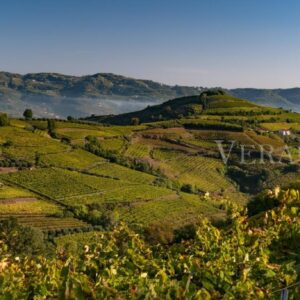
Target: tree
(28,114)
(4,121)
(66,140)
(135,121)
(188,188)
(37,158)
(51,127)
(21,240)
(70,118)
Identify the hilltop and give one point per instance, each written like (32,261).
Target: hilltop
(58,95)
(208,102)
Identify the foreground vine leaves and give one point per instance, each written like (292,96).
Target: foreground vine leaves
(248,259)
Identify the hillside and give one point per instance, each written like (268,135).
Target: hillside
(285,98)
(85,207)
(210,102)
(58,95)
(51,94)
(131,170)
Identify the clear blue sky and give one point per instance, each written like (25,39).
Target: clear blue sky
(228,43)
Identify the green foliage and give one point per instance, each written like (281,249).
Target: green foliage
(21,240)
(135,121)
(28,114)
(51,126)
(212,125)
(188,188)
(4,121)
(216,264)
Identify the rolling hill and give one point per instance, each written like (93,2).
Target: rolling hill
(55,95)
(85,206)
(208,102)
(58,95)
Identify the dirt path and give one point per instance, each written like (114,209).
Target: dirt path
(16,200)
(8,170)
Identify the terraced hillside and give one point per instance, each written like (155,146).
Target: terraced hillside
(165,168)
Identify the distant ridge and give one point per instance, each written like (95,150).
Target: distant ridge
(56,95)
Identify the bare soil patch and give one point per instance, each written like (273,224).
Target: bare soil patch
(8,170)
(17,200)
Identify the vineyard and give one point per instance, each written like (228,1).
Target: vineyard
(137,150)
(122,173)
(77,159)
(45,223)
(115,145)
(22,144)
(7,192)
(203,172)
(212,135)
(78,133)
(280,125)
(240,263)
(122,194)
(149,211)
(27,206)
(77,240)
(175,212)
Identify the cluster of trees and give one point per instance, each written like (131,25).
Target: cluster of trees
(242,112)
(95,214)
(21,240)
(213,125)
(249,258)
(4,120)
(15,163)
(52,234)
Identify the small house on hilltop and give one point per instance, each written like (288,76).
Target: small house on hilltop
(284,132)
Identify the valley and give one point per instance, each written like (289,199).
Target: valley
(159,172)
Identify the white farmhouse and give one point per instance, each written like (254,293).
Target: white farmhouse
(284,132)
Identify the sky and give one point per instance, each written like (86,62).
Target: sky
(225,43)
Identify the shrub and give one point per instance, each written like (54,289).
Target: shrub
(4,121)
